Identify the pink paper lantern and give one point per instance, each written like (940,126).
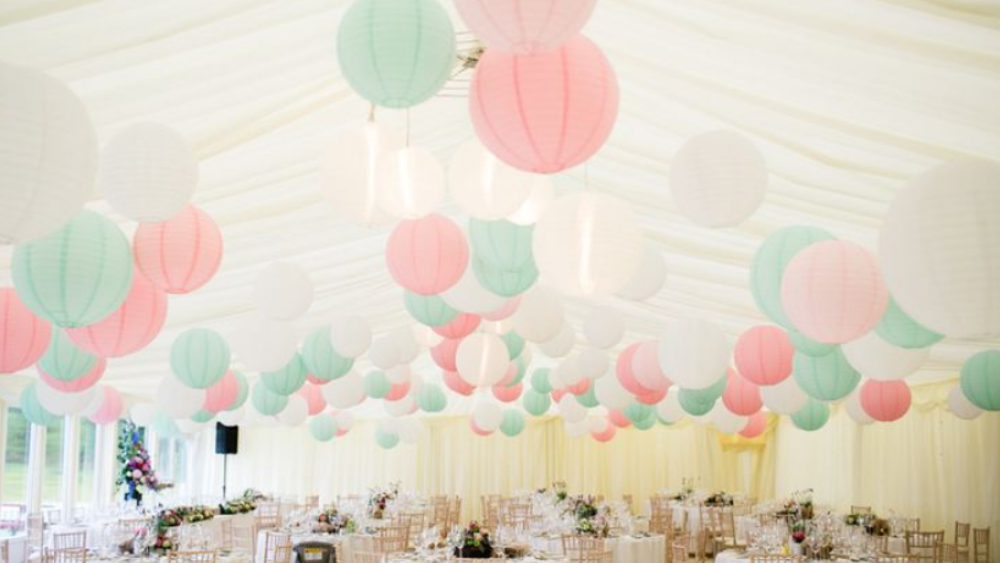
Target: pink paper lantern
(508,394)
(886,401)
(79,384)
(580,387)
(755,426)
(505,311)
(222,394)
(741,396)
(427,255)
(342,432)
(606,435)
(23,336)
(833,292)
(397,391)
(444,353)
(477,430)
(558,394)
(181,254)
(317,381)
(508,378)
(625,373)
(111,407)
(646,367)
(461,326)
(131,327)
(653,397)
(548,112)
(525,27)
(314,398)
(618,419)
(763,355)
(455,382)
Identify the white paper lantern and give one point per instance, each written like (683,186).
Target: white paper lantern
(670,409)
(264,344)
(877,359)
(469,296)
(852,405)
(398,374)
(148,172)
(784,397)
(487,415)
(648,279)
(694,353)
(406,344)
(402,407)
(425,336)
(593,363)
(560,344)
(939,249)
(525,28)
(537,203)
(570,409)
(604,327)
(718,179)
(344,392)
(482,360)
(60,403)
(283,291)
(350,336)
(588,244)
(177,400)
(295,412)
(233,417)
(48,154)
(142,414)
(726,421)
(564,374)
(611,394)
(384,352)
(483,186)
(348,172)
(409,183)
(344,421)
(539,317)
(960,406)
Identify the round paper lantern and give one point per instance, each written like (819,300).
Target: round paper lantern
(605,432)
(589,398)
(65,361)
(644,423)
(431,398)
(638,412)
(763,355)
(178,400)
(181,254)
(348,172)
(78,384)
(111,409)
(570,409)
(512,423)
(648,279)
(588,244)
(718,179)
(49,157)
(427,255)
(514,343)
(539,317)
(808,346)
(618,419)
(455,382)
(199,357)
(827,378)
(852,405)
(295,412)
(833,292)
(321,360)
(504,283)
(400,374)
(624,370)
(131,327)
(471,296)
(396,54)
(399,391)
(345,392)
(23,336)
(960,406)
(142,414)
(267,402)
(384,353)
(503,312)
(603,327)
(477,430)
(899,328)
(811,417)
(242,394)
(560,344)
(33,410)
(784,398)
(444,354)
(726,421)
(517,117)
(482,360)
(535,402)
(385,439)
(283,291)
(694,353)
(264,344)
(508,394)
(148,172)
(646,367)
(61,403)
(699,402)
(202,416)
(459,327)
(877,359)
(885,401)
(377,385)
(286,380)
(980,380)
(755,425)
(540,380)
(76,275)
(669,410)
(223,394)
(525,28)
(501,244)
(538,201)
(592,363)
(405,343)
(939,248)
(429,310)
(350,336)
(487,415)
(483,186)
(322,427)
(741,396)
(409,183)
(770,262)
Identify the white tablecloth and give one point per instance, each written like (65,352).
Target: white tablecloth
(625,549)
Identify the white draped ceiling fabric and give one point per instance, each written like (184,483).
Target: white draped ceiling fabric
(847,99)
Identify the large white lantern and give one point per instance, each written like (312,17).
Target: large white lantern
(875,358)
(648,279)
(611,394)
(539,316)
(283,291)
(344,392)
(177,400)
(61,403)
(961,406)
(469,296)
(482,360)
(694,353)
(560,344)
(670,409)
(350,336)
(784,397)
(570,409)
(295,412)
(409,183)
(485,187)
(536,204)
(487,415)
(603,327)
(348,172)
(852,405)
(264,344)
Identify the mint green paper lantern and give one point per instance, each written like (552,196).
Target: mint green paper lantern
(698,402)
(512,423)
(636,411)
(769,265)
(808,346)
(514,343)
(76,275)
(522,369)
(33,410)
(377,384)
(980,380)
(540,380)
(396,53)
(431,398)
(826,378)
(321,359)
(288,379)
(536,403)
(202,416)
(64,360)
(811,417)
(322,427)
(267,402)
(501,244)
(899,328)
(644,423)
(588,399)
(505,283)
(386,440)
(199,357)
(244,391)
(429,310)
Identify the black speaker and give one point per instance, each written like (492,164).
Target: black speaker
(227,438)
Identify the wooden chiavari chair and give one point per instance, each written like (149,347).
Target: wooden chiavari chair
(277,547)
(67,555)
(245,538)
(439,517)
(962,532)
(775,558)
(949,553)
(578,549)
(392,539)
(627,499)
(454,511)
(226,533)
(726,537)
(4,552)
(879,544)
(268,515)
(311,502)
(516,515)
(35,524)
(491,511)
(893,558)
(205,556)
(909,525)
(710,532)
(678,551)
(981,545)
(926,547)
(855,509)
(70,540)
(367,557)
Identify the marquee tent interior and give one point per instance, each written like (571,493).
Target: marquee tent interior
(872,126)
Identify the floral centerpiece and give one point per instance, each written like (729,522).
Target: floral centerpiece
(799,506)
(331,521)
(242,505)
(136,470)
(720,498)
(173,517)
(872,524)
(379,499)
(473,543)
(592,519)
(559,493)
(798,532)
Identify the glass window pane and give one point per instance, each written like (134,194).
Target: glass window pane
(15,478)
(86,462)
(52,478)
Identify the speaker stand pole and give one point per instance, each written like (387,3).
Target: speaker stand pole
(225,476)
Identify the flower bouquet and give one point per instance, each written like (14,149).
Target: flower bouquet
(136,470)
(331,521)
(379,499)
(237,506)
(798,532)
(718,499)
(473,543)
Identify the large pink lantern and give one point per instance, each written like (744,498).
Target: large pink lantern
(455,382)
(508,394)
(427,255)
(82,383)
(625,373)
(477,430)
(618,418)
(181,254)
(221,395)
(525,27)
(445,352)
(111,407)
(646,367)
(741,396)
(461,326)
(131,327)
(503,312)
(604,435)
(885,401)
(833,292)
(314,398)
(763,355)
(548,112)
(755,426)
(23,336)
(653,397)
(397,391)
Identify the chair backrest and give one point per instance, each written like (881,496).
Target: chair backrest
(4,552)
(981,545)
(277,547)
(962,532)
(454,511)
(226,533)
(67,555)
(392,539)
(775,558)
(368,557)
(201,556)
(679,549)
(36,529)
(312,501)
(855,509)
(909,525)
(579,548)
(245,538)
(925,546)
(893,558)
(627,499)
(70,540)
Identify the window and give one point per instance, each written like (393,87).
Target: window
(86,461)
(15,478)
(52,478)
(171,460)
